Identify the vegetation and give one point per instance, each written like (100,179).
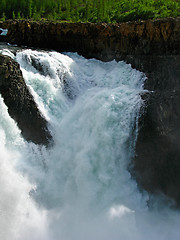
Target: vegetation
(89,10)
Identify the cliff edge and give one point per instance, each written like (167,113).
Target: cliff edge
(99,40)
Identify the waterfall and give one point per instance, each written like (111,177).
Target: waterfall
(79,189)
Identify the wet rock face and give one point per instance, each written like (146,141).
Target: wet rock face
(157,159)
(20,103)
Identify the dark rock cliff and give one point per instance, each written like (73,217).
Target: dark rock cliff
(157,158)
(150,46)
(99,40)
(20,103)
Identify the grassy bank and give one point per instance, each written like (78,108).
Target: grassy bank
(89,10)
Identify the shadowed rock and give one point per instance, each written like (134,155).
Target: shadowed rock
(20,103)
(99,40)
(157,159)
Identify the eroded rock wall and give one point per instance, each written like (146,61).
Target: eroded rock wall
(99,40)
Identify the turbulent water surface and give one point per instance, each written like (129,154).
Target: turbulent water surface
(79,189)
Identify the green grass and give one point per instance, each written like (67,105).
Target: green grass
(89,10)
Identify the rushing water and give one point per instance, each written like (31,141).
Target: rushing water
(79,189)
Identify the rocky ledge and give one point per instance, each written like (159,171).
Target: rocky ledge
(20,103)
(99,40)
(150,46)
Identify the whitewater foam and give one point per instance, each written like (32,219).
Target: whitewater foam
(80,189)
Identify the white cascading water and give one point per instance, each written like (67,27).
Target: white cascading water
(79,189)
